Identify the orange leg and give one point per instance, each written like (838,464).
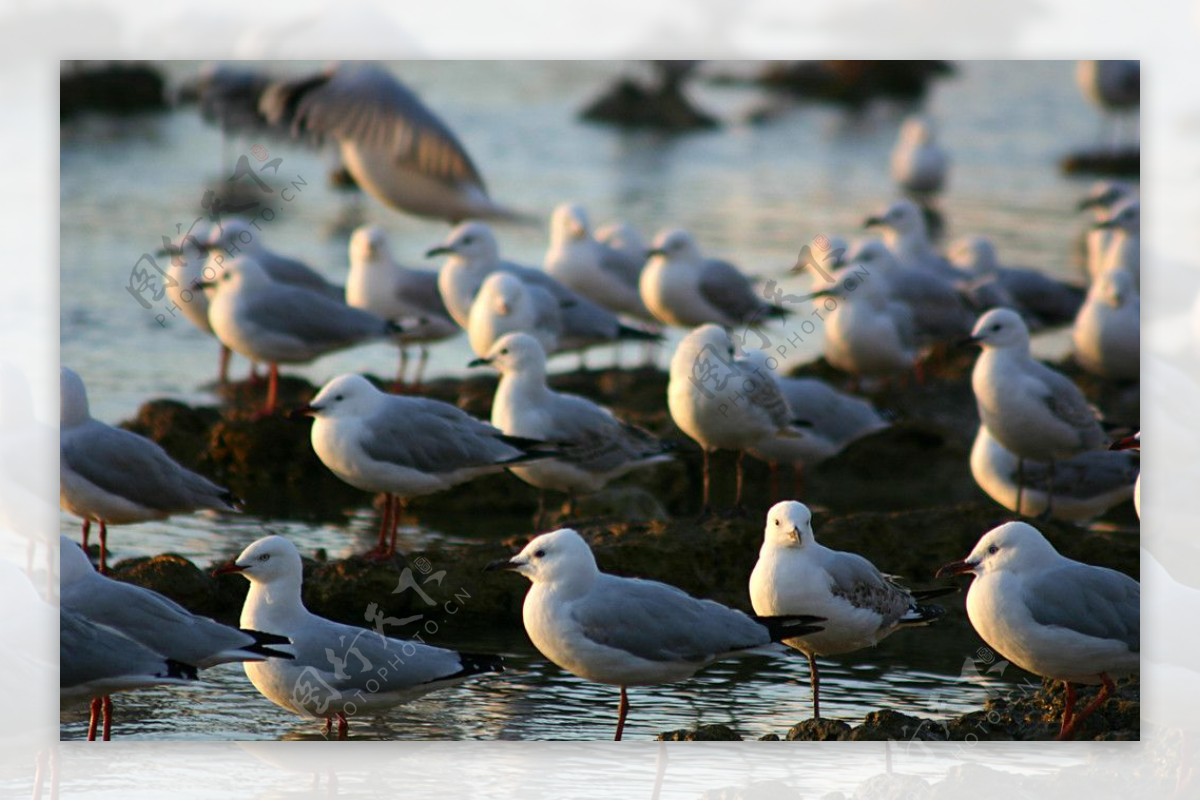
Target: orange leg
(1072,723)
(622,711)
(272,389)
(343,726)
(94,719)
(103,548)
(107,718)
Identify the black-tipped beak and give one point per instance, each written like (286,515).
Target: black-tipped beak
(955,569)
(1089,203)
(966,342)
(873,221)
(1104,225)
(300,412)
(1126,444)
(205,284)
(440,250)
(820,293)
(170,251)
(229,567)
(503,564)
(479,362)
(655,252)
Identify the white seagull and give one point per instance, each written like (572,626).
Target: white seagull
(378,284)
(339,671)
(723,402)
(268,321)
(393,145)
(1043,301)
(859,605)
(1055,617)
(1124,248)
(154,620)
(1031,409)
(1107,333)
(506,304)
(594,446)
(1085,486)
(235,237)
(113,476)
(907,236)
(919,163)
(682,287)
(1133,443)
(405,447)
(598,271)
(627,631)
(1101,199)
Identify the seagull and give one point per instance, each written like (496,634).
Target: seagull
(1101,199)
(1114,86)
(96,661)
(1125,246)
(1085,486)
(1052,616)
(1132,443)
(834,420)
(907,236)
(723,402)
(111,475)
(155,621)
(681,287)
(1031,409)
(409,297)
(393,145)
(600,272)
(506,304)
(338,670)
(1107,333)
(858,605)
(868,334)
(1042,301)
(625,238)
(405,447)
(473,254)
(628,631)
(189,257)
(594,446)
(234,238)
(268,321)
(918,162)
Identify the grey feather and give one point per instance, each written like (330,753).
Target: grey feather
(1094,601)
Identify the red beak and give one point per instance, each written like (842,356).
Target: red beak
(229,567)
(954,569)
(1126,444)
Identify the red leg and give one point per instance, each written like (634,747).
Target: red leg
(814,678)
(400,508)
(87,529)
(343,726)
(385,526)
(706,508)
(1106,690)
(223,370)
(94,719)
(622,711)
(398,386)
(1068,709)
(107,718)
(272,389)
(328,726)
(103,548)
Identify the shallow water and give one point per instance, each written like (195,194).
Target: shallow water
(754,194)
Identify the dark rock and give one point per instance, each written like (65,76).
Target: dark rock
(1124,163)
(770,737)
(707,732)
(886,724)
(819,730)
(180,580)
(631,104)
(854,83)
(111,88)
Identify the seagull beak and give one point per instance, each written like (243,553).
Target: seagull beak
(955,569)
(966,341)
(478,362)
(796,535)
(873,221)
(168,251)
(821,293)
(1126,444)
(655,252)
(205,284)
(504,564)
(299,413)
(229,567)
(440,250)
(1089,203)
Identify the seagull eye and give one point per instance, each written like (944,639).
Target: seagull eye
(264,557)
(338,397)
(467,240)
(777,521)
(504,351)
(538,554)
(993,548)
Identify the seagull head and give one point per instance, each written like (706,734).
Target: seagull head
(501,293)
(1115,288)
(73,400)
(368,244)
(904,217)
(1126,217)
(347,395)
(471,241)
(1001,328)
(675,244)
(515,352)
(559,557)
(789,525)
(1131,443)
(267,561)
(1105,194)
(976,254)
(569,223)
(234,236)
(709,338)
(73,563)
(918,129)
(241,271)
(1013,546)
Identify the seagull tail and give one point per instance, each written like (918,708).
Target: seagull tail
(262,644)
(474,664)
(181,671)
(777,312)
(920,614)
(530,448)
(781,627)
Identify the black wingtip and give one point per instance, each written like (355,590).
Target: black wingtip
(925,613)
(530,448)
(778,312)
(781,627)
(474,664)
(181,670)
(636,334)
(264,640)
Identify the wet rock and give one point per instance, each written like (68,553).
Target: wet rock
(1123,163)
(112,88)
(886,724)
(819,730)
(853,83)
(629,103)
(180,429)
(770,737)
(181,581)
(707,732)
